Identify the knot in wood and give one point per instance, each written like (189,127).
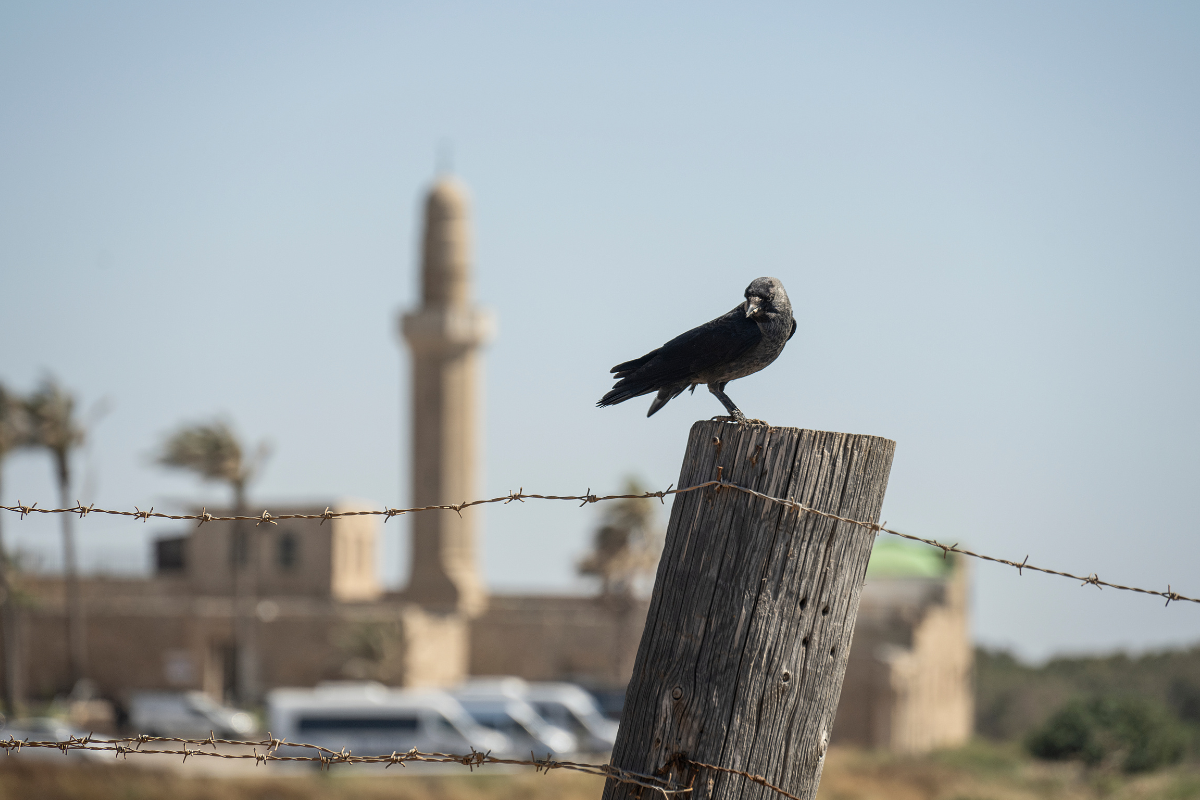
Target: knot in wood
(677,693)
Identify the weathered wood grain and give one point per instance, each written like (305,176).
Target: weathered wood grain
(749,628)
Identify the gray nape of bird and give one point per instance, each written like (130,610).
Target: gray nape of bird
(729,347)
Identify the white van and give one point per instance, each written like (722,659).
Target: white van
(189,715)
(573,708)
(369,719)
(499,703)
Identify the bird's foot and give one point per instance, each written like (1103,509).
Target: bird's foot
(742,419)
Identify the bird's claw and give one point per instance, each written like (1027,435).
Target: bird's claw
(742,419)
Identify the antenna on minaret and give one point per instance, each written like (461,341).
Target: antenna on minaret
(444,161)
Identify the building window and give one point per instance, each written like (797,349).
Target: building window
(288,550)
(170,555)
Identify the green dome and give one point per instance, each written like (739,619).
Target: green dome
(897,558)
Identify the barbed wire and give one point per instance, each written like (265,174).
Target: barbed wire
(267,518)
(326,757)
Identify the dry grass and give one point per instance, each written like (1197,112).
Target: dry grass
(978,772)
(984,771)
(46,780)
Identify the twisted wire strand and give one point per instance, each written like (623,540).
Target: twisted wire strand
(326,757)
(267,518)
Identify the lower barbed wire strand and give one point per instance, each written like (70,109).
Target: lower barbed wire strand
(125,747)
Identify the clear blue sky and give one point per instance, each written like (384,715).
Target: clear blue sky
(987,217)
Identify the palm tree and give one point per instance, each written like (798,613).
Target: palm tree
(52,424)
(626,546)
(14,432)
(625,552)
(213,451)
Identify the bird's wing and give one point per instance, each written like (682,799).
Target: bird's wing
(685,358)
(793,333)
(692,354)
(702,349)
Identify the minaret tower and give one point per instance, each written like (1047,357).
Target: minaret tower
(445,335)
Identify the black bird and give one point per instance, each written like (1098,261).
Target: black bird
(729,347)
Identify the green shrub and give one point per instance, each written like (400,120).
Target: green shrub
(1130,733)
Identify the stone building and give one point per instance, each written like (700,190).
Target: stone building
(590,640)
(318,613)
(909,684)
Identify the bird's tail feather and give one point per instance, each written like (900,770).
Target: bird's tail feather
(624,391)
(629,384)
(664,396)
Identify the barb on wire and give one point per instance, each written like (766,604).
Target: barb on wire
(585,499)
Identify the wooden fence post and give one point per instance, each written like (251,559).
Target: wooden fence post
(741,661)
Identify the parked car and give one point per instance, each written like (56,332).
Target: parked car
(369,718)
(48,729)
(188,715)
(499,704)
(610,701)
(573,708)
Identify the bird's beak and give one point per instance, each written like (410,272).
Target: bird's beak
(752,307)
